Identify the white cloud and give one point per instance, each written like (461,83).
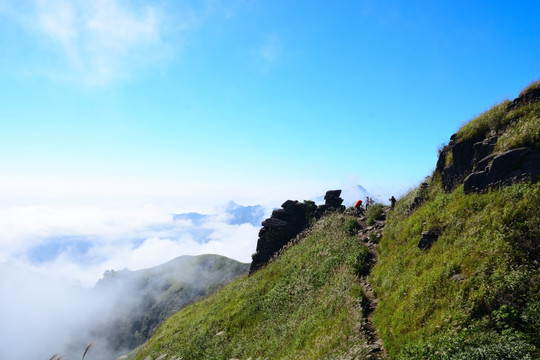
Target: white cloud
(102,40)
(81,242)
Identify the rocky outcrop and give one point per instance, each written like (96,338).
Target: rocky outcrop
(333,202)
(286,223)
(474,162)
(462,155)
(504,169)
(530,96)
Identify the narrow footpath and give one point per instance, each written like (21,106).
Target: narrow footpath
(370,236)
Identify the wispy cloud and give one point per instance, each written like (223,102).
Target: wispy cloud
(269,51)
(94,42)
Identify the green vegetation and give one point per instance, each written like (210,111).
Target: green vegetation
(522,133)
(486,123)
(351,225)
(520,127)
(475,293)
(533,85)
(304,305)
(374,212)
(160,292)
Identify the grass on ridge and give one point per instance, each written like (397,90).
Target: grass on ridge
(533,85)
(304,305)
(489,122)
(475,290)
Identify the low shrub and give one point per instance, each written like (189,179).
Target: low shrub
(351,225)
(374,212)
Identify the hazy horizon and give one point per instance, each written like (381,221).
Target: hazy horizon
(118,114)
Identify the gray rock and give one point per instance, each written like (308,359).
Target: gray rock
(514,165)
(428,238)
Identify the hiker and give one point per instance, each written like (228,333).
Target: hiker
(358,206)
(392,201)
(369,201)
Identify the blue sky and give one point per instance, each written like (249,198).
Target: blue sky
(122,106)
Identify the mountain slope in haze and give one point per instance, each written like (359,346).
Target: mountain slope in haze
(152,295)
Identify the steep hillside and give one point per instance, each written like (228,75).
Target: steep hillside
(147,297)
(457,277)
(458,274)
(304,305)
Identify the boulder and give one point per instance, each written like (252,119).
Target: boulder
(428,238)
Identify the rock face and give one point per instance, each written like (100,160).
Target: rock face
(286,223)
(462,156)
(507,168)
(475,163)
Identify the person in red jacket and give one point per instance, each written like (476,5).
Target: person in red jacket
(358,206)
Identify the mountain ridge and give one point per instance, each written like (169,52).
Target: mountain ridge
(471,293)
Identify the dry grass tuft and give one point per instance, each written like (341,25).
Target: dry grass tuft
(88,348)
(57,356)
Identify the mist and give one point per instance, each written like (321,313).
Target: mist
(42,316)
(52,257)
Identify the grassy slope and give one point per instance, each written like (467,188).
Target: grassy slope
(479,281)
(161,291)
(304,305)
(476,293)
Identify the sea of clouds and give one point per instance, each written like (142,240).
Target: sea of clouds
(51,257)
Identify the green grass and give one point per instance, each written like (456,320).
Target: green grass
(524,129)
(519,127)
(473,295)
(374,212)
(304,305)
(489,122)
(479,282)
(533,85)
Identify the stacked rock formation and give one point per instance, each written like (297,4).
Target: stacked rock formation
(333,202)
(286,223)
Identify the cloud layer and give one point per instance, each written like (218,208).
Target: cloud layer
(80,243)
(47,252)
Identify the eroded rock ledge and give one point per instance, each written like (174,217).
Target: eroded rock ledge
(289,221)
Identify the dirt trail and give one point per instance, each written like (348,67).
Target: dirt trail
(370,236)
